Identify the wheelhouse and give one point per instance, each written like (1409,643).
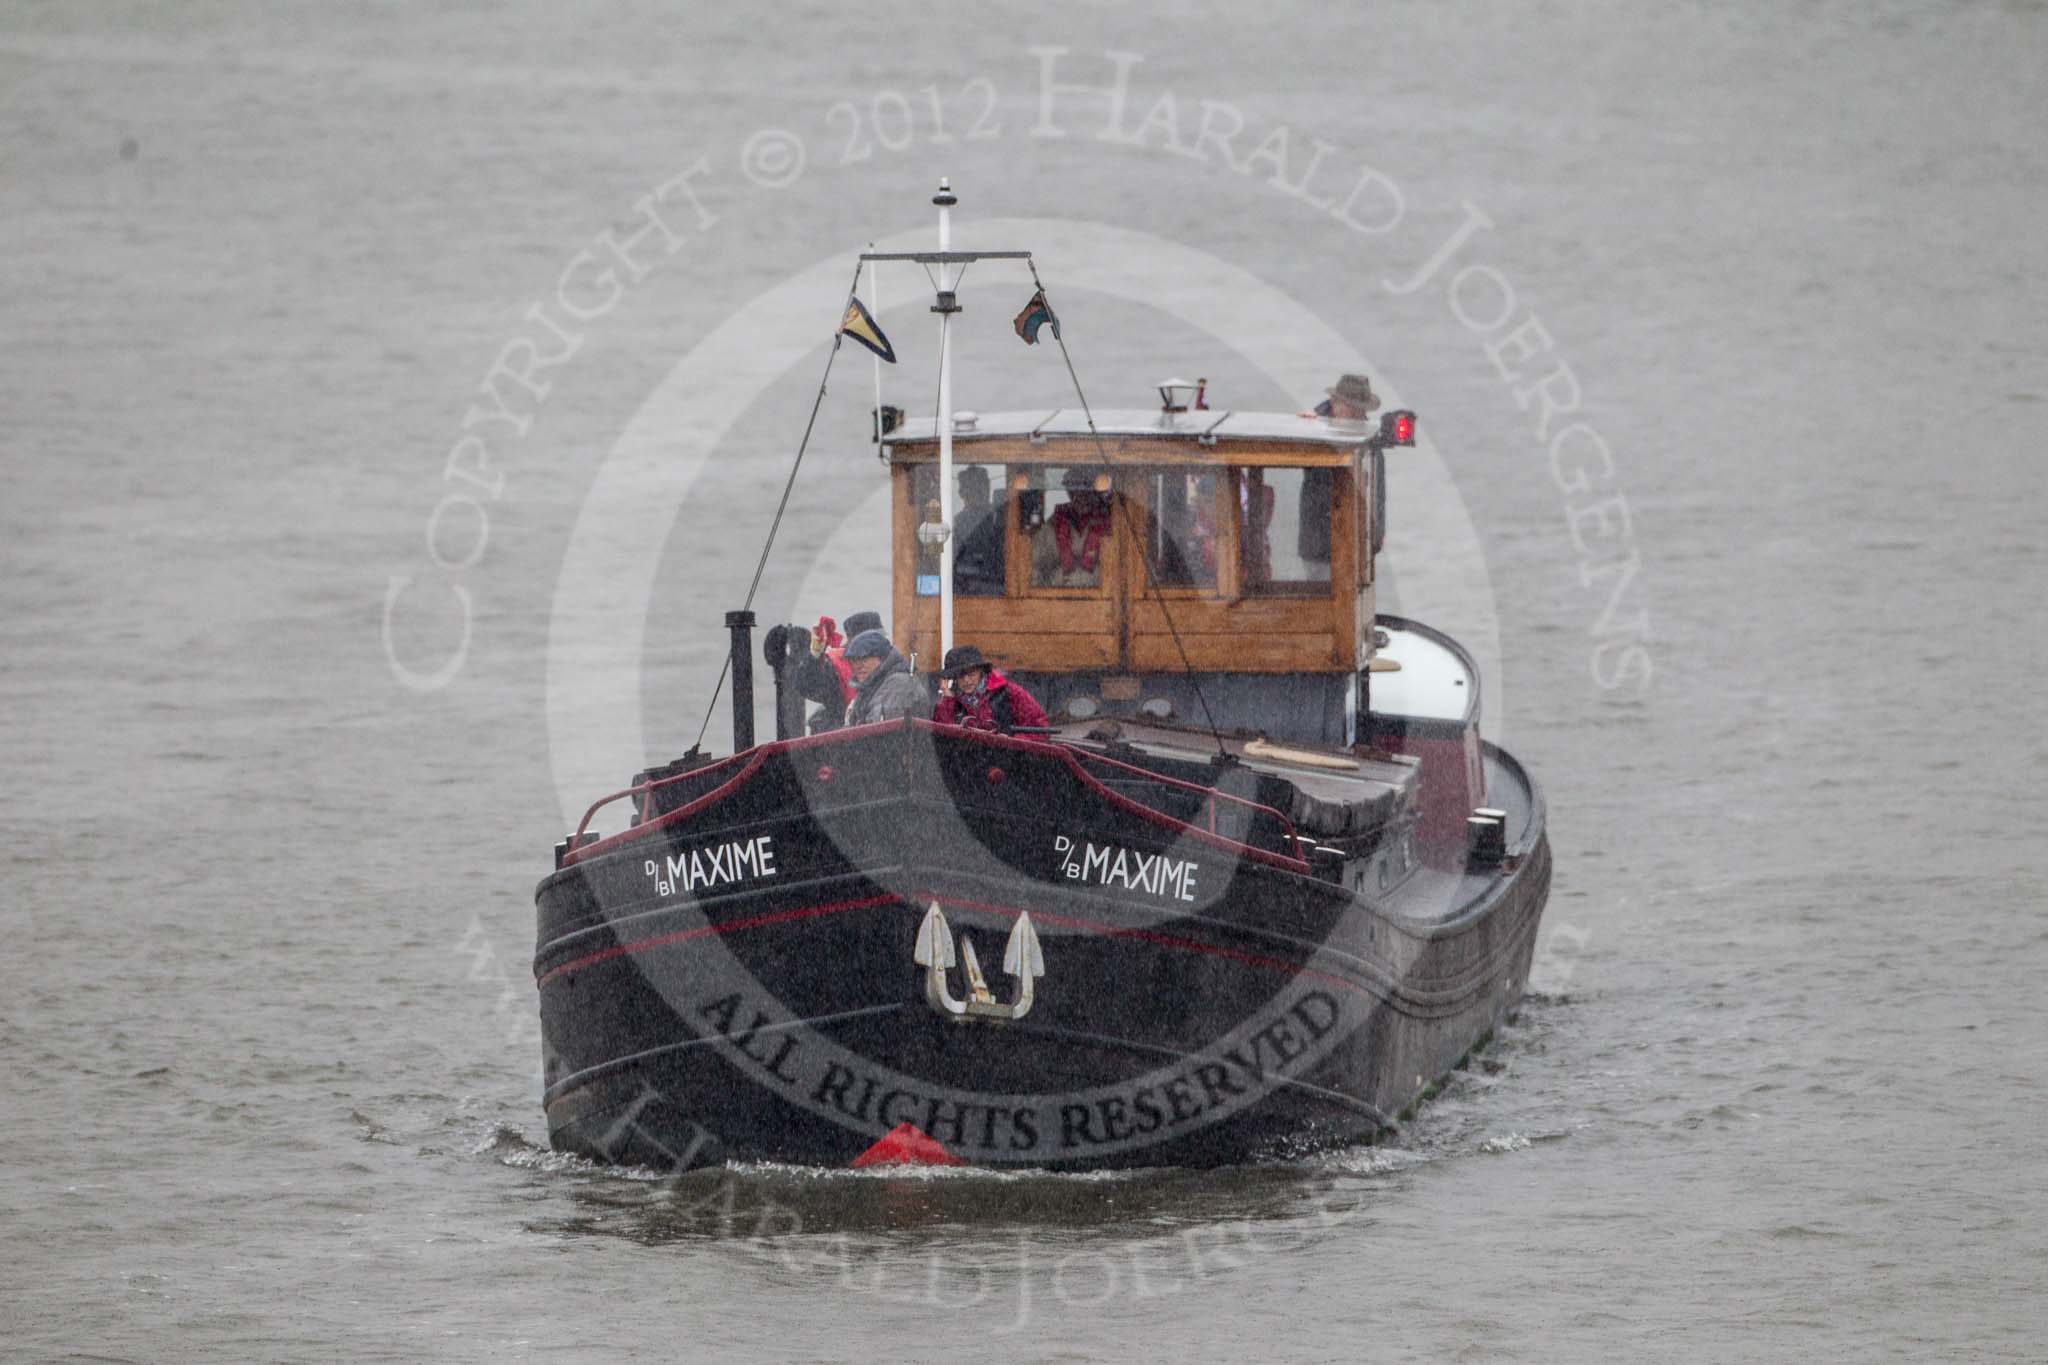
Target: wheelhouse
(1107,565)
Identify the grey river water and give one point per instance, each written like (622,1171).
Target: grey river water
(296,686)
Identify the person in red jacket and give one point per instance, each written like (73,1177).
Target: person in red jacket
(1080,526)
(822,674)
(980,698)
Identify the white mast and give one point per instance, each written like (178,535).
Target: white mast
(945,309)
(945,306)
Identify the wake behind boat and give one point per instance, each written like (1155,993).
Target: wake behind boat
(1255,887)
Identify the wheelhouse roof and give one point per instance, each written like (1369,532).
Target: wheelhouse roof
(1205,436)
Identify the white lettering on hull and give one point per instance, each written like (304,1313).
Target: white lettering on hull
(1154,874)
(702,869)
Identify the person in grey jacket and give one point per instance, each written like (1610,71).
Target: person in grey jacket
(884,686)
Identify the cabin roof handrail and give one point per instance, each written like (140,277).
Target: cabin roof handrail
(945,257)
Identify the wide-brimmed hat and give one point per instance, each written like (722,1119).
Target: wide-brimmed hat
(962,659)
(1356,389)
(869,644)
(862,622)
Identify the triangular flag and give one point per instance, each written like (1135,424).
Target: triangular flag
(860,325)
(1035,315)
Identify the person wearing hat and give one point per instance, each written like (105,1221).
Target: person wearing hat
(822,674)
(1351,399)
(979,698)
(883,686)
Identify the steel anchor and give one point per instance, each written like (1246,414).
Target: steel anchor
(1023,962)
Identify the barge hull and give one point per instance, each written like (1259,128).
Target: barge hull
(734,979)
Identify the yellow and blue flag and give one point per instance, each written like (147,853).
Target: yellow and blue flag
(860,325)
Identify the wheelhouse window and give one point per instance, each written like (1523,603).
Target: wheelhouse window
(1066,517)
(1181,544)
(1283,531)
(1372,503)
(980,513)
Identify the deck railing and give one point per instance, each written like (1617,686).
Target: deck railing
(642,793)
(1210,795)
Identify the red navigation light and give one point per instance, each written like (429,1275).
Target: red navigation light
(1397,428)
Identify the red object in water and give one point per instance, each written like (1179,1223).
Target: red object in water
(907,1145)
(825,772)
(995,775)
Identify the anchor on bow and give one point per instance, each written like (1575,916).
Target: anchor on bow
(1023,961)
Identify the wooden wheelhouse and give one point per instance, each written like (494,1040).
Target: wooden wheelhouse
(1080,555)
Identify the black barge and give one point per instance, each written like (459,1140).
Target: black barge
(1257,887)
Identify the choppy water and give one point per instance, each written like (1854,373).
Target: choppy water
(264,1000)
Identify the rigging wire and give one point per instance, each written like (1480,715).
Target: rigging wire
(1130,526)
(789,484)
(1102,452)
